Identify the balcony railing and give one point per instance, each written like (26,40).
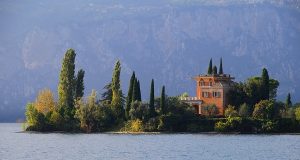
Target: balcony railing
(190,99)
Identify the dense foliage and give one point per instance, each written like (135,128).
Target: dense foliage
(116,101)
(66,89)
(79,84)
(252,107)
(129,95)
(93,116)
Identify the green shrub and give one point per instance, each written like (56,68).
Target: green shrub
(138,110)
(232,124)
(221,127)
(297,113)
(230,111)
(264,110)
(269,126)
(35,120)
(56,120)
(93,116)
(244,110)
(152,125)
(169,122)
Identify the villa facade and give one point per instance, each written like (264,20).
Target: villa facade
(211,89)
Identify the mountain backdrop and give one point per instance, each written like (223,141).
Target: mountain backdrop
(168,40)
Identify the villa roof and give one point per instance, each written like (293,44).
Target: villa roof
(216,76)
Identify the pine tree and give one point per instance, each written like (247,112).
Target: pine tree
(151,102)
(215,70)
(265,84)
(163,101)
(79,86)
(209,71)
(221,67)
(139,96)
(66,85)
(129,95)
(288,101)
(116,102)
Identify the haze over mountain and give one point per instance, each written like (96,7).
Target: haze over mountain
(168,40)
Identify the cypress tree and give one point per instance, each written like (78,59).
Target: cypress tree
(135,90)
(209,71)
(66,85)
(163,101)
(107,95)
(288,101)
(129,95)
(79,88)
(139,96)
(265,84)
(116,102)
(151,102)
(221,67)
(215,70)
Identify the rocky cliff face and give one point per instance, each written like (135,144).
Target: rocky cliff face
(170,41)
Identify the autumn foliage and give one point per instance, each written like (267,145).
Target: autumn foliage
(45,102)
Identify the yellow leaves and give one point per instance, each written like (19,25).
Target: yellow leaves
(133,126)
(44,102)
(230,111)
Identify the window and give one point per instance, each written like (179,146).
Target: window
(205,94)
(202,83)
(217,94)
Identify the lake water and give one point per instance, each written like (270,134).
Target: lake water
(56,146)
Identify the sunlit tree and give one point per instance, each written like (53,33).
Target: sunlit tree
(116,102)
(45,102)
(66,85)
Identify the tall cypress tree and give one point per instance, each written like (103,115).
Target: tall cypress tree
(288,101)
(135,90)
(79,86)
(66,85)
(209,71)
(107,94)
(151,102)
(139,96)
(265,84)
(221,67)
(163,101)
(116,102)
(215,70)
(129,95)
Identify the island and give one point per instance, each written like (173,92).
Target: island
(221,105)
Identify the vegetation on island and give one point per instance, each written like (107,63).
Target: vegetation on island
(253,107)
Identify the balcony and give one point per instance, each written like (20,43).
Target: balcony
(191,100)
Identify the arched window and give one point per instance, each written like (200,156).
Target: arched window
(201,82)
(210,82)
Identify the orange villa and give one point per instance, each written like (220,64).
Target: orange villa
(211,89)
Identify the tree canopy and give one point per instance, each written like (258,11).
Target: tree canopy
(116,102)
(66,87)
(79,84)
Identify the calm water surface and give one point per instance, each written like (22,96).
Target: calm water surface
(55,146)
